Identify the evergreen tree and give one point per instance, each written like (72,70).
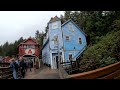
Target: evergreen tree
(39,37)
(67,15)
(62,19)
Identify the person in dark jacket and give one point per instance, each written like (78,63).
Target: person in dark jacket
(30,64)
(25,65)
(22,66)
(18,68)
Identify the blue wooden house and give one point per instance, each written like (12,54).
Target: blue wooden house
(67,39)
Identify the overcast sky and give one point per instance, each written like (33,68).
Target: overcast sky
(16,24)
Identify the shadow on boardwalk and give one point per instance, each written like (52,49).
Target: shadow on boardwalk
(43,73)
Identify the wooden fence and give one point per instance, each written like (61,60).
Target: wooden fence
(5,72)
(109,72)
(70,67)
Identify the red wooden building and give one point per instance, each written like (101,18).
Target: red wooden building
(6,59)
(29,49)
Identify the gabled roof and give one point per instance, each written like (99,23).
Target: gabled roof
(74,24)
(53,19)
(34,40)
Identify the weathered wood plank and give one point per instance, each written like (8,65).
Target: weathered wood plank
(112,75)
(97,73)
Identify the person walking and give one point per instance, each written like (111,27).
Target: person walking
(18,67)
(22,66)
(30,64)
(13,68)
(26,65)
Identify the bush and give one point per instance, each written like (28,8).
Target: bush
(105,52)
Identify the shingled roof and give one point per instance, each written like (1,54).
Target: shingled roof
(53,19)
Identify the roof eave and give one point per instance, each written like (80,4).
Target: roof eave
(74,24)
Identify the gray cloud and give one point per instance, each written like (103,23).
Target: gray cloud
(16,24)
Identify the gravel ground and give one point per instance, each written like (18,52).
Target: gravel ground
(42,73)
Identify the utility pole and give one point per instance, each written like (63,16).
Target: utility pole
(58,53)
(74,53)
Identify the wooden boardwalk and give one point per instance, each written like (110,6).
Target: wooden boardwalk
(43,73)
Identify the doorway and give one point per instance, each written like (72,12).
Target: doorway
(55,59)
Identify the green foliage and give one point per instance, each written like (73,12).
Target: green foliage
(10,49)
(39,37)
(105,52)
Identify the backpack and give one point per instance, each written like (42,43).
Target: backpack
(16,66)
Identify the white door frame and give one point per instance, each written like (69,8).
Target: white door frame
(54,62)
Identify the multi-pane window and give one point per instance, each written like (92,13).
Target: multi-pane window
(70,26)
(80,40)
(30,46)
(67,38)
(54,25)
(70,57)
(55,39)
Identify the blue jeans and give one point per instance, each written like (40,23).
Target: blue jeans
(14,74)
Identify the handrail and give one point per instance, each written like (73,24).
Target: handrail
(100,73)
(79,52)
(5,72)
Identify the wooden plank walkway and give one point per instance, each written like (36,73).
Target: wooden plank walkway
(42,73)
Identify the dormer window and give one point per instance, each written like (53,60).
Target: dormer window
(54,25)
(70,26)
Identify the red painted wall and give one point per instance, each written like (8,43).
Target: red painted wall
(28,42)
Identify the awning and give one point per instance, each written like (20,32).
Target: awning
(29,56)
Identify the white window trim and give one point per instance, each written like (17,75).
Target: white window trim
(81,40)
(70,26)
(66,39)
(54,25)
(55,42)
(61,59)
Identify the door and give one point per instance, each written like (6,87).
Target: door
(55,59)
(54,62)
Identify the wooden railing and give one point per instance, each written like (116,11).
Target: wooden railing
(4,64)
(71,67)
(79,53)
(5,72)
(109,72)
